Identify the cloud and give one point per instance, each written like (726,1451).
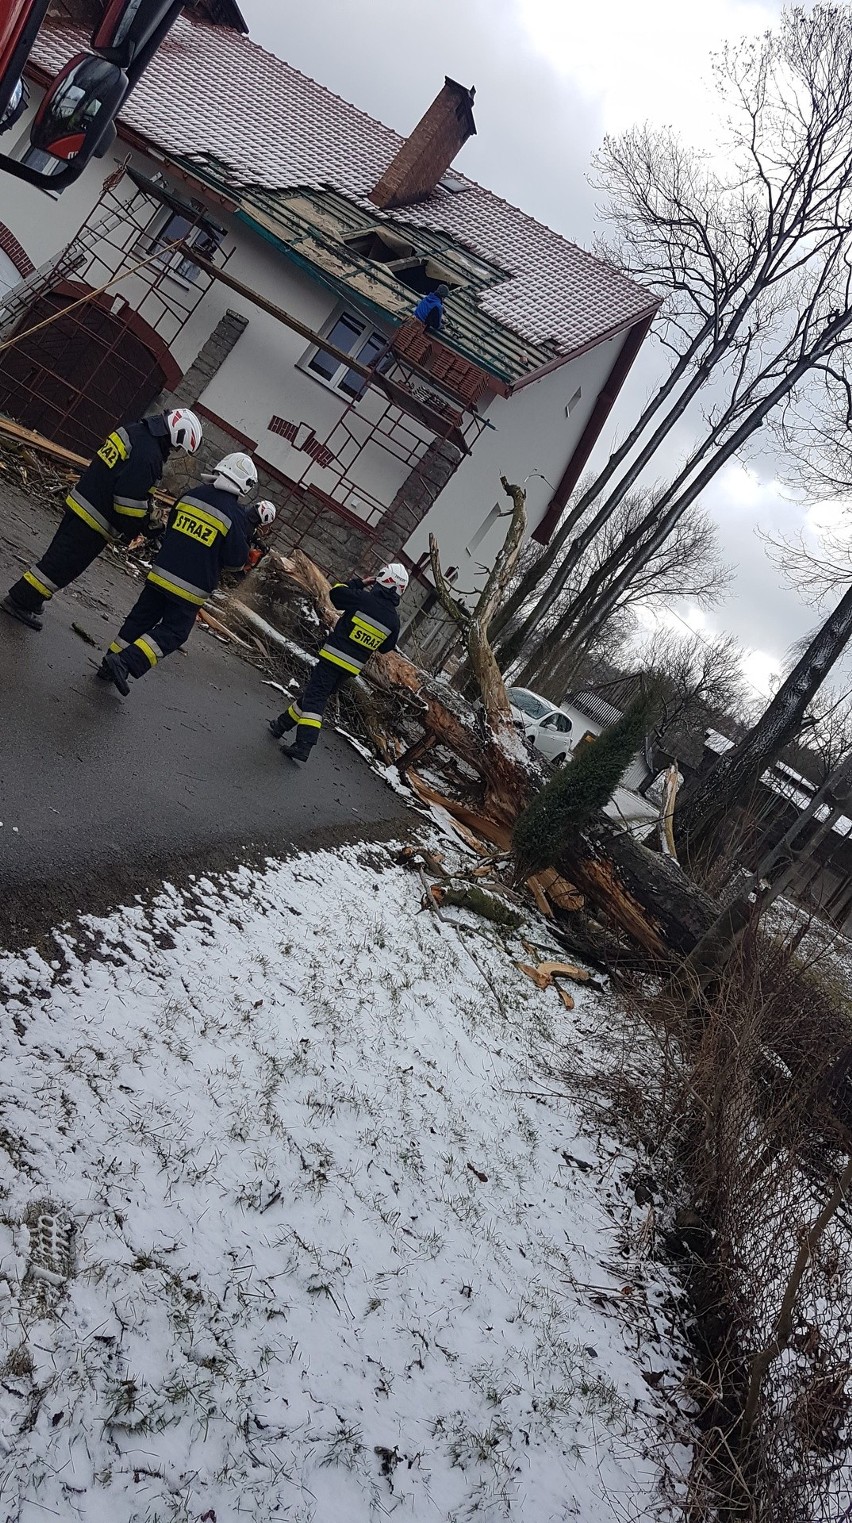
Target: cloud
(637,62)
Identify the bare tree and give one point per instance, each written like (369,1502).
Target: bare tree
(752,267)
(688,564)
(697,680)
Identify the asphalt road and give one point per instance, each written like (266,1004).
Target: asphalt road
(101,797)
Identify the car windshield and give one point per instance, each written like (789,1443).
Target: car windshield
(527,703)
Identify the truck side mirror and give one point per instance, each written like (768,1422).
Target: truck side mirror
(78,109)
(127,26)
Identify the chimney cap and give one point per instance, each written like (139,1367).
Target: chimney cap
(467,97)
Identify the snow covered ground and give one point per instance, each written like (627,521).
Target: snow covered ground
(343,1247)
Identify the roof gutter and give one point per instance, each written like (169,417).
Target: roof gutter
(591,433)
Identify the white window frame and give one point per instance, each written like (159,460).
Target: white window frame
(174,264)
(333,382)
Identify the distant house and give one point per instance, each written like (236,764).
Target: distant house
(824,876)
(280,240)
(590,714)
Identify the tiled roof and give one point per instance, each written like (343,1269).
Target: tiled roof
(211,92)
(595,707)
(785,787)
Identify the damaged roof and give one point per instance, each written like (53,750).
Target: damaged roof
(212,96)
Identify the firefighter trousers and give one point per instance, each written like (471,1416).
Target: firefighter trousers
(306,713)
(73,548)
(157,624)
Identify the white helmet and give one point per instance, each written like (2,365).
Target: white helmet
(185,430)
(266,513)
(235,474)
(394,577)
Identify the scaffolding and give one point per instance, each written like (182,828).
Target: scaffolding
(403,409)
(140,265)
(93,329)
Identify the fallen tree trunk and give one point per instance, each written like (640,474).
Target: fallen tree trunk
(647,897)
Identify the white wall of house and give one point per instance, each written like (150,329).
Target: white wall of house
(531,433)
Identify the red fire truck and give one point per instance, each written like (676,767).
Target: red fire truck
(76,119)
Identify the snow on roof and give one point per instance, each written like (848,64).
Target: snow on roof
(794,787)
(211,92)
(718,743)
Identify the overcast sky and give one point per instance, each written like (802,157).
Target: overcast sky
(552,77)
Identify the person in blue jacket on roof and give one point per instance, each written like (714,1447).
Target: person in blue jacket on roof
(430,311)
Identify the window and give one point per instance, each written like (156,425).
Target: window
(206,237)
(526,702)
(24,153)
(355,336)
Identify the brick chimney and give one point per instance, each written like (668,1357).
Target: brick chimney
(427,154)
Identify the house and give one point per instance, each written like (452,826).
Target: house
(590,714)
(254,246)
(823,879)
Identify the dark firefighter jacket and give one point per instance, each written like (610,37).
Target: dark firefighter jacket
(370,623)
(206,533)
(112,494)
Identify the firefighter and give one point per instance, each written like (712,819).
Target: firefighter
(370,623)
(110,502)
(259,520)
(206,532)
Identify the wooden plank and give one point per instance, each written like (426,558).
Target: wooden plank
(20,435)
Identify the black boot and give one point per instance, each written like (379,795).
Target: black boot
(281,725)
(298,752)
(114,670)
(26,616)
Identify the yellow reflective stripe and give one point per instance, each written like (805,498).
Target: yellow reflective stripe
(213,520)
(127,511)
(348,666)
(87,517)
(146,649)
(313,724)
(362,622)
(118,646)
(119,441)
(30,576)
(179,592)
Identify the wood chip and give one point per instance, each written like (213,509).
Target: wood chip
(540,981)
(84,635)
(565,970)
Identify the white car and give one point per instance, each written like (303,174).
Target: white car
(544,725)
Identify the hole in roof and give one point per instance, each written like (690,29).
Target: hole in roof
(424,275)
(380,245)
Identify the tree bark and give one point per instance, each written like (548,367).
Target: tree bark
(646,895)
(475,623)
(706,800)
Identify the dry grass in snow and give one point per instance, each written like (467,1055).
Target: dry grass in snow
(343,1248)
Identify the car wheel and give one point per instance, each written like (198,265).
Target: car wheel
(558,760)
